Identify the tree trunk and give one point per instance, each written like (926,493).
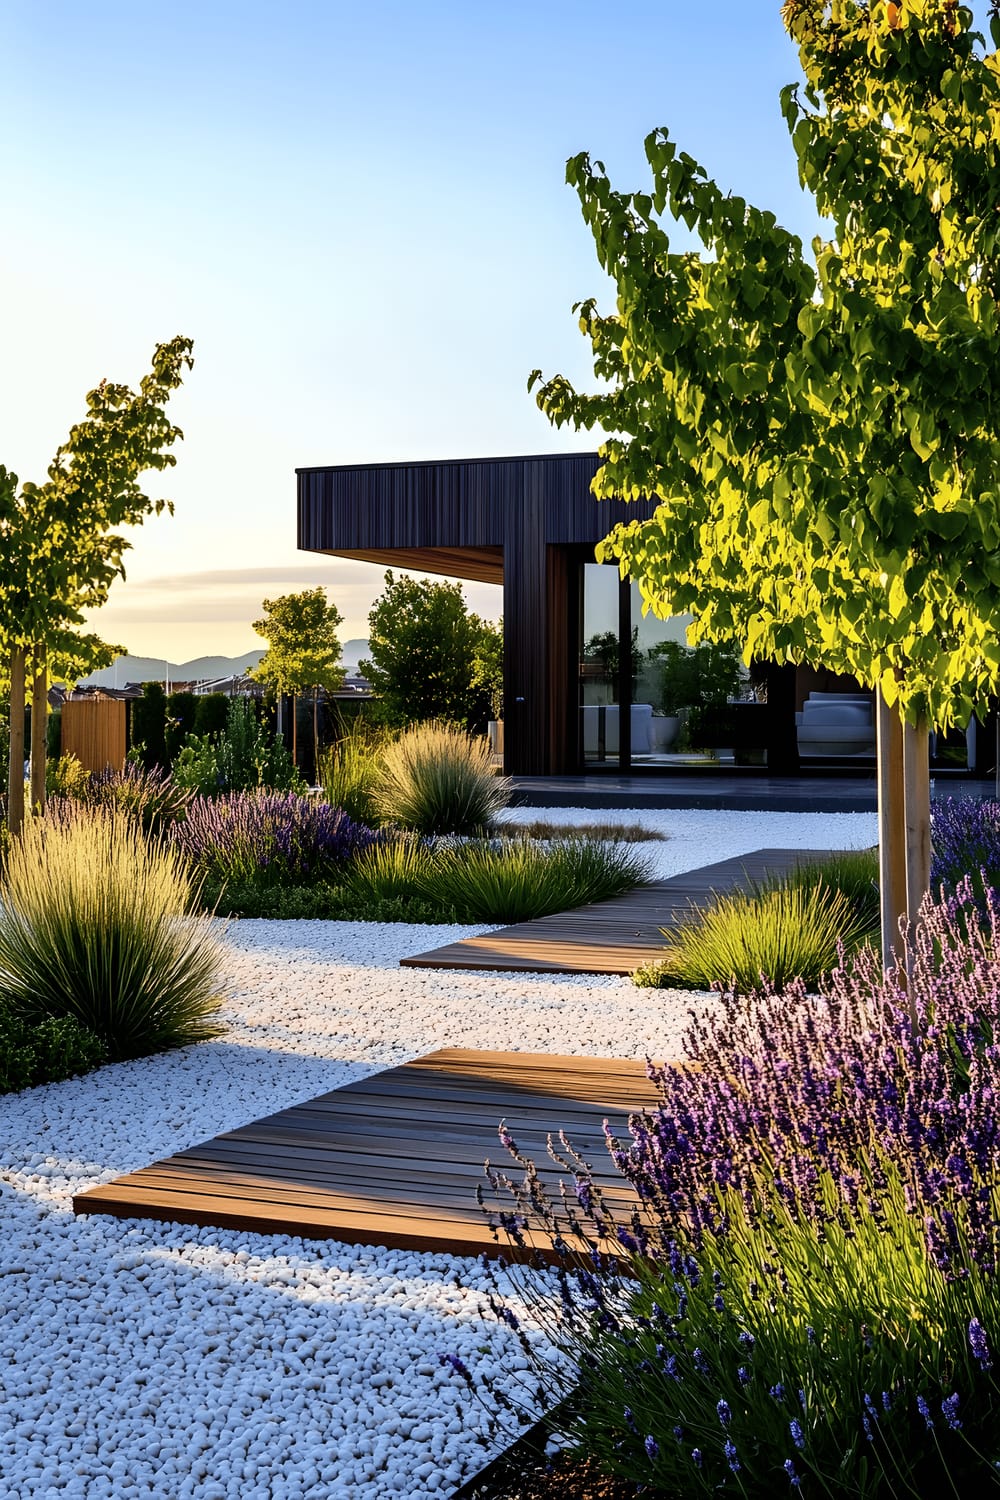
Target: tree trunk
(891,830)
(315,735)
(15,769)
(39,725)
(904,816)
(295,726)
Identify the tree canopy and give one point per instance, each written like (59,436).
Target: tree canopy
(424,647)
(821,432)
(61,545)
(303,648)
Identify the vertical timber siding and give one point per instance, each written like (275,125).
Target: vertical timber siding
(533,508)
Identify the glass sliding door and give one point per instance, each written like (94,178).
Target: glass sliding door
(658,710)
(601,667)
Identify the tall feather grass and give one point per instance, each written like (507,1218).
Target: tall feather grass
(349,772)
(437,779)
(791,932)
(98,923)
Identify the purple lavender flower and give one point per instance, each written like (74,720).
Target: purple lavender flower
(798,1436)
(457,1364)
(724,1413)
(291,837)
(743,1375)
(777,1391)
(978,1344)
(652,1448)
(793,1477)
(732,1460)
(949,1410)
(925,1410)
(696,1457)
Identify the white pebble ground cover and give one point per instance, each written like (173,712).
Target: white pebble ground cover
(145,1359)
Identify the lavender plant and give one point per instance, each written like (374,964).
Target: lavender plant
(806,1296)
(151,796)
(268,838)
(965,840)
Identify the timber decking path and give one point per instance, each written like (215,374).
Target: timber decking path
(394,1159)
(609,937)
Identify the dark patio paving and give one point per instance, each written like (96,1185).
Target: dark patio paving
(729,791)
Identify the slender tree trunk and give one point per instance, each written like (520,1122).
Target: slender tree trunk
(315,735)
(904,815)
(891,830)
(295,726)
(39,725)
(15,770)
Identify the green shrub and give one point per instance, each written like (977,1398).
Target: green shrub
(44,1051)
(98,923)
(510,881)
(153,798)
(245,757)
(437,779)
(53,735)
(349,771)
(210,714)
(324,902)
(180,712)
(783,934)
(66,777)
(148,722)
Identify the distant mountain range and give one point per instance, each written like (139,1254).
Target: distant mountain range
(201,669)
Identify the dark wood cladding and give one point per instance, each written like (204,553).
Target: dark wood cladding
(462,515)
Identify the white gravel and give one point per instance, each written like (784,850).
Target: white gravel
(142,1359)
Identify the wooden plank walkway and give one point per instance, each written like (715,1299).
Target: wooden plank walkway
(609,937)
(393,1159)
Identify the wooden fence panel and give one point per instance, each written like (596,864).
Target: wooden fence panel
(93,729)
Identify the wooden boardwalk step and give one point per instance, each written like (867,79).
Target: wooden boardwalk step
(610,937)
(394,1159)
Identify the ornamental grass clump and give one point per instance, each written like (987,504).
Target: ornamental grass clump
(148,794)
(497,881)
(268,839)
(349,772)
(780,935)
(98,923)
(437,779)
(806,1298)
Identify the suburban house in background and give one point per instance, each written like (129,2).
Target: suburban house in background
(577,647)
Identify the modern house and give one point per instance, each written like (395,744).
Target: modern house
(576,644)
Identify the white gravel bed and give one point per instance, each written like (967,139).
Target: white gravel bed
(693,837)
(144,1359)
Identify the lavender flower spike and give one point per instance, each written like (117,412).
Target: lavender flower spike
(978,1344)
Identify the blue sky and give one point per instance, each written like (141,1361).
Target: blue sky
(358,214)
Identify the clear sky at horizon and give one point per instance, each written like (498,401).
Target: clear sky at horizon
(359,216)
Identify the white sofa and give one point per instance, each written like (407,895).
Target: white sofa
(836,724)
(594,714)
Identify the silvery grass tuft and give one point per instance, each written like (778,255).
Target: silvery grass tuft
(437,779)
(98,922)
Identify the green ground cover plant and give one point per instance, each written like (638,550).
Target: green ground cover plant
(44,1051)
(807,1298)
(99,923)
(510,880)
(435,779)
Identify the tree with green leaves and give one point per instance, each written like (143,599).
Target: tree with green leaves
(822,432)
(61,550)
(423,644)
(303,651)
(487,666)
